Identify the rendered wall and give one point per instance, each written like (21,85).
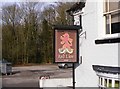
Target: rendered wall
(119,57)
(58,82)
(94,54)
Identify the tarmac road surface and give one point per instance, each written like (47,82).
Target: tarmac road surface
(28,76)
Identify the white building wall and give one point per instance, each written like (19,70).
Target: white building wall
(100,20)
(119,57)
(94,54)
(57,82)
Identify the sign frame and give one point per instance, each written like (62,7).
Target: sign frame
(66,28)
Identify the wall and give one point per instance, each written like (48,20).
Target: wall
(119,57)
(92,54)
(58,82)
(0,42)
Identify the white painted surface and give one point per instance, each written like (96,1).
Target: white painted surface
(108,76)
(119,55)
(94,54)
(58,82)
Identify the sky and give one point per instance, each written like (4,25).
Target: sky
(6,2)
(53,0)
(39,0)
(27,0)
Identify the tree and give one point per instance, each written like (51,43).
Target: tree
(27,31)
(62,17)
(31,17)
(11,18)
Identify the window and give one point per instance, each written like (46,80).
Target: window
(108,83)
(112,16)
(105,82)
(101,81)
(117,84)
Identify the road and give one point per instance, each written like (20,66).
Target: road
(28,76)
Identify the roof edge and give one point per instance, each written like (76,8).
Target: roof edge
(77,6)
(106,69)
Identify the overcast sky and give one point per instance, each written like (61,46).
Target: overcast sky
(28,0)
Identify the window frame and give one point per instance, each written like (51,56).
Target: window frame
(109,14)
(117,86)
(105,82)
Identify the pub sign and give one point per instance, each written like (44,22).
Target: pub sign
(66,44)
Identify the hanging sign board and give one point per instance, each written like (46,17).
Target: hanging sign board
(66,44)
